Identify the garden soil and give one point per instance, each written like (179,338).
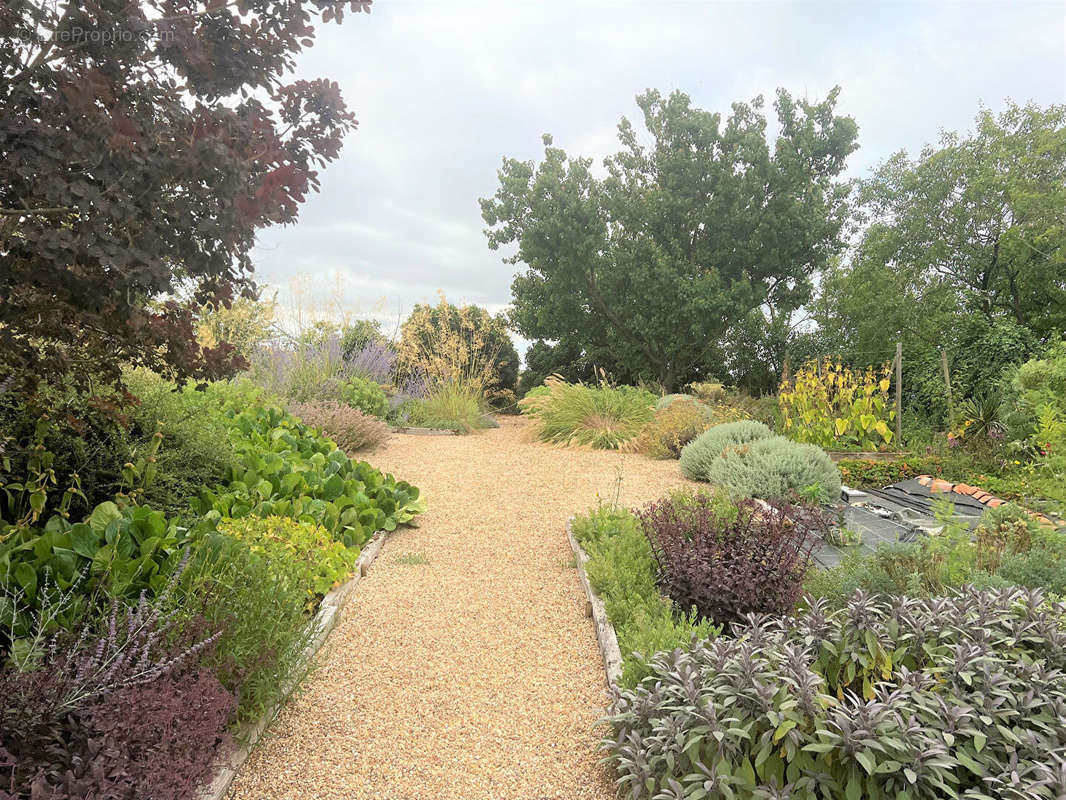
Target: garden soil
(464,667)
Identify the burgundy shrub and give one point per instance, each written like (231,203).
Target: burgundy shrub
(121,712)
(728,565)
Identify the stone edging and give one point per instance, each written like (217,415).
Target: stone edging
(594,608)
(323,623)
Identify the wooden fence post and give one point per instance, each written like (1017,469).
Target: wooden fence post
(899,394)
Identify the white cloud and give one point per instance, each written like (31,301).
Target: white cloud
(444,91)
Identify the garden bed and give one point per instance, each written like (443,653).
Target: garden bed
(324,621)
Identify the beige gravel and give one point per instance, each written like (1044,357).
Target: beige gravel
(465,666)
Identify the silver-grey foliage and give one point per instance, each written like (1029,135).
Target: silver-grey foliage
(958,697)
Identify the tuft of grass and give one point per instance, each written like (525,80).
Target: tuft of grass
(453,406)
(604,417)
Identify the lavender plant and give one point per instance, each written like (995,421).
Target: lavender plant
(952,697)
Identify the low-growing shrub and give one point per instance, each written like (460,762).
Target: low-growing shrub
(868,474)
(956,697)
(124,711)
(622,572)
(604,417)
(673,427)
(258,601)
(363,394)
(697,455)
(321,560)
(349,427)
(773,467)
(726,560)
(668,400)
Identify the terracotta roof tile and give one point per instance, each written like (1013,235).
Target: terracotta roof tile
(995,502)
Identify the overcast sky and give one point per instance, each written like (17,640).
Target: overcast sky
(444,90)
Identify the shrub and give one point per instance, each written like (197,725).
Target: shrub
(195,450)
(674,426)
(321,561)
(350,428)
(829,405)
(622,572)
(258,601)
(124,711)
(774,467)
(867,474)
(946,697)
(451,406)
(668,400)
(697,455)
(727,562)
(363,394)
(708,392)
(604,417)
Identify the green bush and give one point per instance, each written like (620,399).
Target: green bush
(321,560)
(451,406)
(259,603)
(365,395)
(604,417)
(867,474)
(697,455)
(622,572)
(668,400)
(195,450)
(773,468)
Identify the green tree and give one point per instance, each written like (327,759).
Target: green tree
(974,225)
(682,239)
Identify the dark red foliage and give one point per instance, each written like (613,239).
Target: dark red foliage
(159,741)
(728,566)
(116,713)
(142,145)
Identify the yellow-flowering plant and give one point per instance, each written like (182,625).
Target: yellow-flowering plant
(833,406)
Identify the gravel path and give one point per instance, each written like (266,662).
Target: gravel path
(465,667)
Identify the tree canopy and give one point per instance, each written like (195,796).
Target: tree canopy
(143,145)
(681,239)
(974,226)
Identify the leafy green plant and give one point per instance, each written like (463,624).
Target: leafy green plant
(868,474)
(829,405)
(698,455)
(622,571)
(955,697)
(117,551)
(602,416)
(288,469)
(363,394)
(257,599)
(321,560)
(773,468)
